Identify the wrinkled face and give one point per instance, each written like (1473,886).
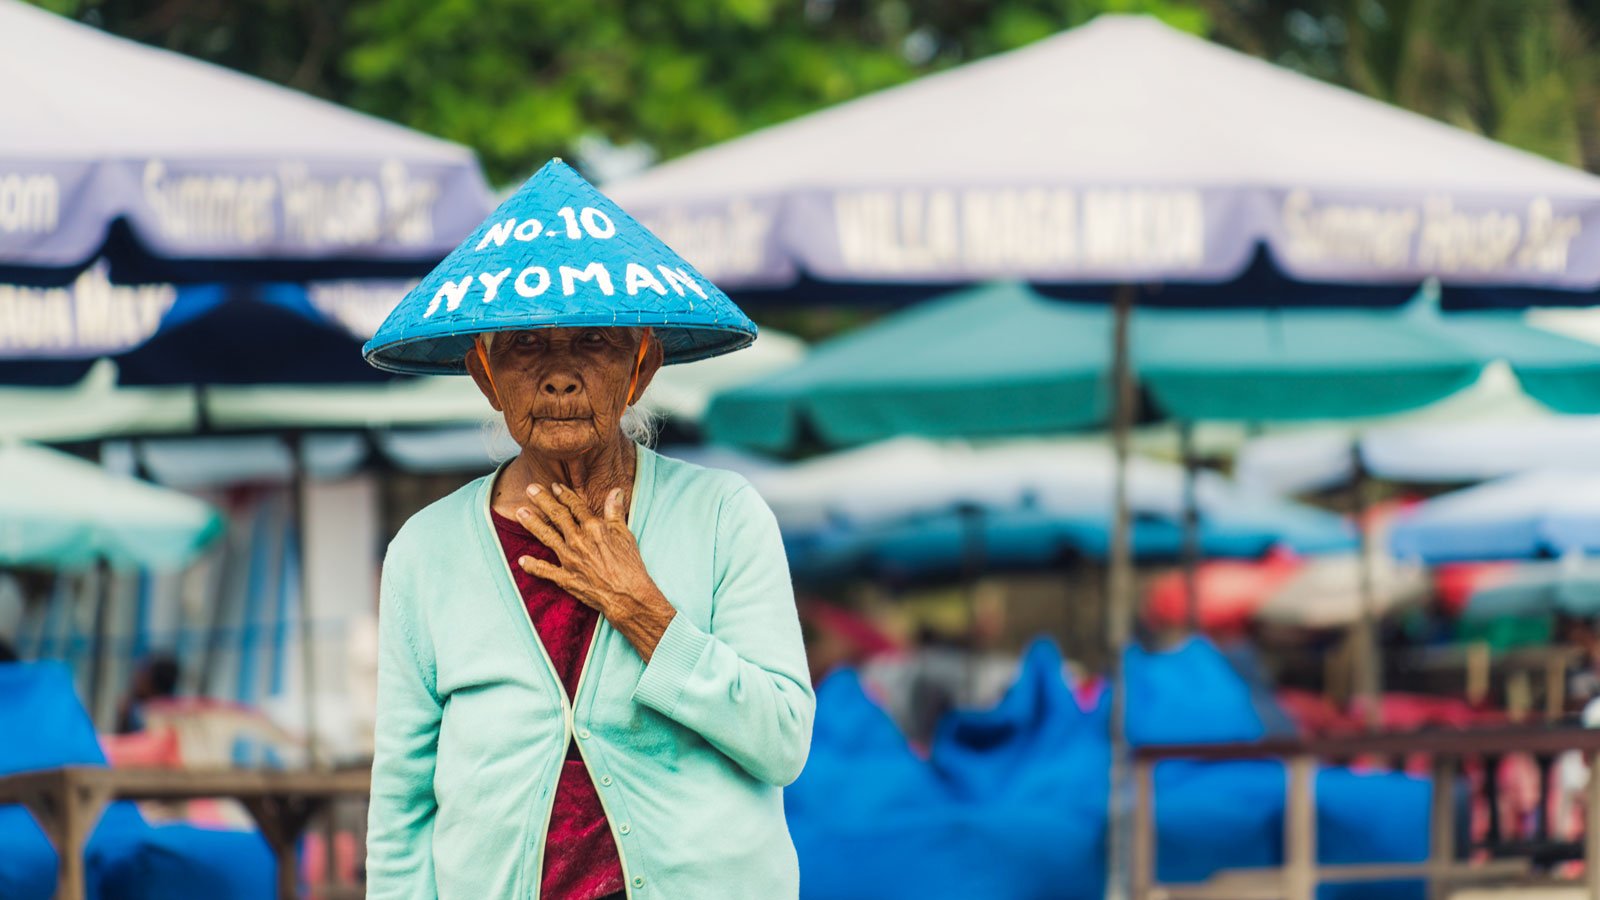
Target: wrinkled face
(563,390)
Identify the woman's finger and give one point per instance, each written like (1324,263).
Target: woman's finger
(574,504)
(550,572)
(554,511)
(614,506)
(541,529)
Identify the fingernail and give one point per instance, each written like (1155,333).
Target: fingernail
(524,560)
(555,489)
(522,512)
(533,490)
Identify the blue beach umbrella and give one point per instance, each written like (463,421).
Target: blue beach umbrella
(558,253)
(1529,516)
(166,334)
(910,507)
(179,170)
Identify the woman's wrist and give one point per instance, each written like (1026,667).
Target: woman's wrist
(642,618)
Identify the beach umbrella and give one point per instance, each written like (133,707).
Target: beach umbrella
(911,507)
(966,542)
(1445,452)
(1001,359)
(1529,516)
(162,334)
(1188,163)
(1190,174)
(60,512)
(63,513)
(1535,590)
(178,170)
(1320,592)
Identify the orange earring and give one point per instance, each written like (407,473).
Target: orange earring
(484,358)
(637,365)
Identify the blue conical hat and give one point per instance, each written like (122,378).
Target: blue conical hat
(558,253)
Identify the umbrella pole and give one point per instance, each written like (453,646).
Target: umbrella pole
(97,657)
(1191,526)
(1119,601)
(307,650)
(1368,671)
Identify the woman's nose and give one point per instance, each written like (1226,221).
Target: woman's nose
(560,384)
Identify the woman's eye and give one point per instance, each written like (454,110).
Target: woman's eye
(526,339)
(593,339)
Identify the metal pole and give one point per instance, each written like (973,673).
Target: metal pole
(1119,600)
(1368,670)
(1191,526)
(307,650)
(97,658)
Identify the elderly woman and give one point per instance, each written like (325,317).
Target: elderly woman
(591,679)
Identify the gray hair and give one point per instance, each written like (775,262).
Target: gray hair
(640,423)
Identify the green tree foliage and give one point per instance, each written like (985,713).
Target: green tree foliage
(1524,72)
(523,80)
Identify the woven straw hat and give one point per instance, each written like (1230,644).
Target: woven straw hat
(558,253)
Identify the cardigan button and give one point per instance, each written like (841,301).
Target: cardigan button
(583,734)
(624,828)
(638,882)
(605,781)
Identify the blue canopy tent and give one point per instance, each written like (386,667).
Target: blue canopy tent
(181,171)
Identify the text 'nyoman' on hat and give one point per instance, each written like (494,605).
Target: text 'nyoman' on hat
(557,254)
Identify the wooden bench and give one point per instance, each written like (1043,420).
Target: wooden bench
(1299,876)
(68,802)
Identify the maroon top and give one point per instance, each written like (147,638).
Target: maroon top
(580,857)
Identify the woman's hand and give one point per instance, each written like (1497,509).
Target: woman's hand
(599,562)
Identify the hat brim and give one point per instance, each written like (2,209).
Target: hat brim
(445,354)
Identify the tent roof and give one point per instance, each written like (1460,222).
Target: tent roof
(175,169)
(1124,98)
(1133,152)
(91,94)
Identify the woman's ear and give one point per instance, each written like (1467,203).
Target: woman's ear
(654,356)
(480,375)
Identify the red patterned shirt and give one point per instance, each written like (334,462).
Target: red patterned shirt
(580,857)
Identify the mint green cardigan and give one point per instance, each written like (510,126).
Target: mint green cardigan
(689,753)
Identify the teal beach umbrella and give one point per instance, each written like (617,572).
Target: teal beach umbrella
(999,359)
(59,512)
(992,360)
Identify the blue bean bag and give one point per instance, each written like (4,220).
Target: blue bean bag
(1213,816)
(1012,802)
(126,858)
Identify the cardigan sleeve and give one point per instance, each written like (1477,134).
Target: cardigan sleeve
(743,685)
(401,814)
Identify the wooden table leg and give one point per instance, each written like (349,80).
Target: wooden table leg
(1591,831)
(67,812)
(1442,822)
(1144,829)
(281,820)
(1491,797)
(1300,830)
(1546,764)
